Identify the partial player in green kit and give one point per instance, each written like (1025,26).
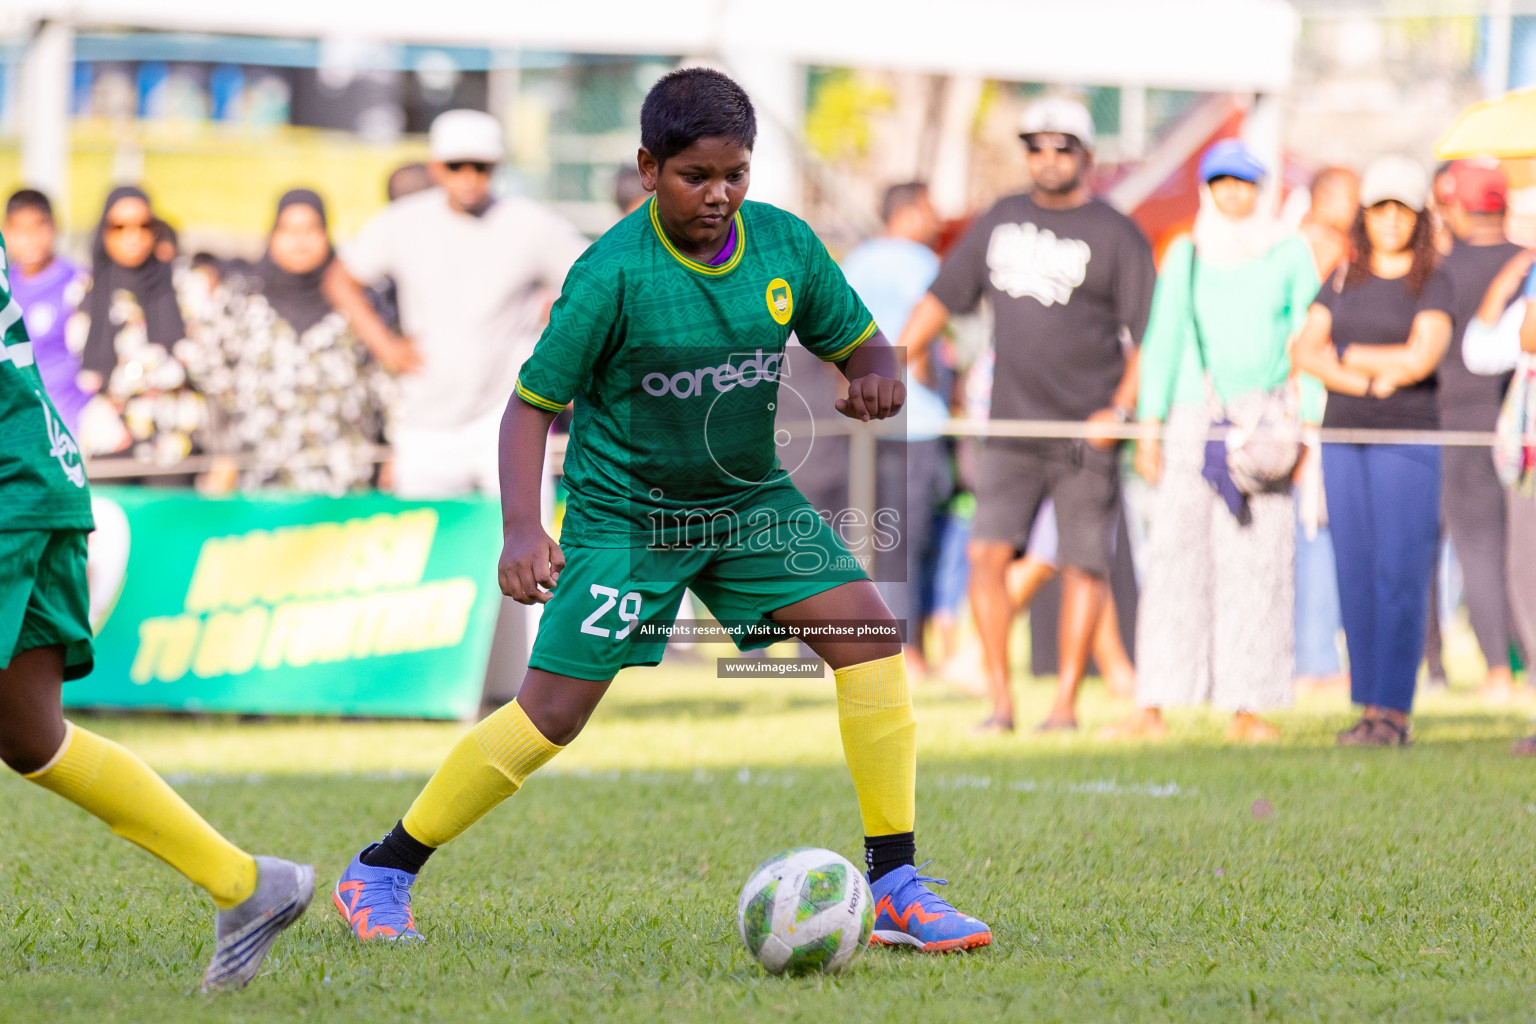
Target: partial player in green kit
(669,337)
(45,640)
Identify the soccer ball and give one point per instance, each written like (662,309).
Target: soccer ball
(804,911)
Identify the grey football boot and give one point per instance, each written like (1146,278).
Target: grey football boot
(245,932)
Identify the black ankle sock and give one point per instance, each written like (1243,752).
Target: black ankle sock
(884,854)
(399,850)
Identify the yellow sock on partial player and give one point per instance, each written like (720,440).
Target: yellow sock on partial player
(115,786)
(874,713)
(483,769)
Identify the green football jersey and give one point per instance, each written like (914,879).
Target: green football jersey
(676,368)
(42,480)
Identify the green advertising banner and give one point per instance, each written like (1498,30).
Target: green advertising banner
(281,605)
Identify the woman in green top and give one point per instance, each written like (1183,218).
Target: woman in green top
(1217,608)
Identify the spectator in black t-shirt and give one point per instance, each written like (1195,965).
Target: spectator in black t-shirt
(1374,336)
(1471,498)
(1070,281)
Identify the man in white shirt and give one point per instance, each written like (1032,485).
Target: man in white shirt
(1502,330)
(475,276)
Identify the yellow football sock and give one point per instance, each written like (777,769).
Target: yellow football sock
(874,712)
(483,769)
(138,805)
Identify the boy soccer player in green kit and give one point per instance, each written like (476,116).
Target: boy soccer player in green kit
(669,337)
(45,640)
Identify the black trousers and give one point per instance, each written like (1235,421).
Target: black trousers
(1472,505)
(915,480)
(1522,574)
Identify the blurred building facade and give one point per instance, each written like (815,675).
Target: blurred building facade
(217,112)
(259,114)
(186,96)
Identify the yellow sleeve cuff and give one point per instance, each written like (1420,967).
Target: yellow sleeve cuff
(847,350)
(536,400)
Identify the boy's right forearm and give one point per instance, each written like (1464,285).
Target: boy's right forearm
(524,435)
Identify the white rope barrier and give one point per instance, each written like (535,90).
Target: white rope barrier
(125,467)
(835,425)
(838,425)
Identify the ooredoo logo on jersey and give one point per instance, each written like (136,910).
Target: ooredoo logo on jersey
(745,372)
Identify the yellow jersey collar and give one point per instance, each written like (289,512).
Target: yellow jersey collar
(694,265)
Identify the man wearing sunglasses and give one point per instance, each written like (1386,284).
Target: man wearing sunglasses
(1070,281)
(474,276)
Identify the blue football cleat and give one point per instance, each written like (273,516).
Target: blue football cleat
(908,913)
(376,902)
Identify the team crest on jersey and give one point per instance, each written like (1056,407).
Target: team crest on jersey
(62,447)
(781,301)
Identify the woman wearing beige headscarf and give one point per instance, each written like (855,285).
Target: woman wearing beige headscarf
(1216,612)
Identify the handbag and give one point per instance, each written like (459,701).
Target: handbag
(1263,443)
(1514,445)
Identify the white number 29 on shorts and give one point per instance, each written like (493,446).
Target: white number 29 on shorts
(629,612)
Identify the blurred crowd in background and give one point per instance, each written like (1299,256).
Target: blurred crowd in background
(297,369)
(1375,300)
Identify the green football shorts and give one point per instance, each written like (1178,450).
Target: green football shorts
(44,598)
(615,607)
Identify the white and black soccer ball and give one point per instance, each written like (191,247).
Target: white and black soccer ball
(806,911)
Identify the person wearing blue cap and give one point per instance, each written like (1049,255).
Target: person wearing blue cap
(1216,615)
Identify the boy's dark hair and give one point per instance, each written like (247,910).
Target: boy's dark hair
(899,197)
(202,258)
(29,199)
(692,104)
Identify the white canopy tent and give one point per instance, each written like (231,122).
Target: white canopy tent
(1207,45)
(1182,44)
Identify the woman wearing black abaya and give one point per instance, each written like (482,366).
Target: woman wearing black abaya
(135,338)
(299,398)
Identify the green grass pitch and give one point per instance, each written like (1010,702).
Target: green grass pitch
(1122,883)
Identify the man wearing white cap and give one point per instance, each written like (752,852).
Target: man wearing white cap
(1070,282)
(475,275)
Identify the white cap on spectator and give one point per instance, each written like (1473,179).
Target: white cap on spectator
(1396,178)
(466,135)
(1061,115)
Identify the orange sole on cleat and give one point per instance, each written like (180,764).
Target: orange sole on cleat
(340,907)
(947,946)
(959,945)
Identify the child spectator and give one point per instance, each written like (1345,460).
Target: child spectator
(49,288)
